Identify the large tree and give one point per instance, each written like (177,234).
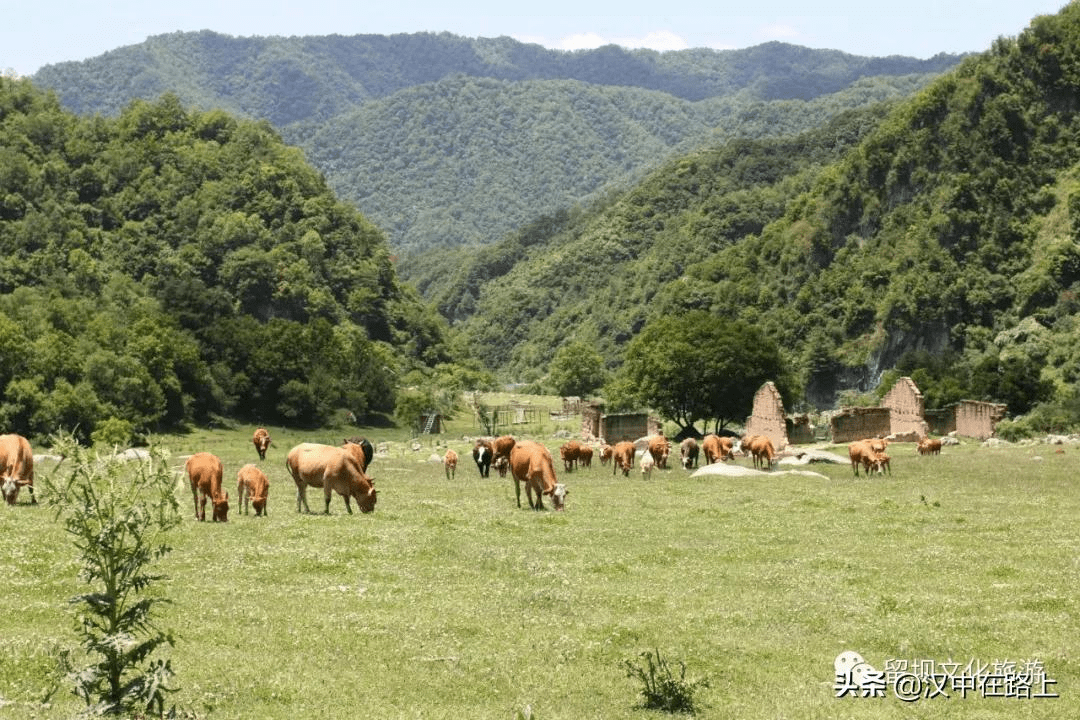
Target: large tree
(577,369)
(698,367)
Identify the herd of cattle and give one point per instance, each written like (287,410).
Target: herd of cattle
(344,469)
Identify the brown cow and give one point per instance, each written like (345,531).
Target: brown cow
(622,457)
(606,453)
(483,453)
(361,449)
(688,452)
(862,453)
(569,453)
(450,463)
(717,448)
(16,467)
(929,446)
(531,463)
(261,440)
(252,488)
(659,448)
(502,465)
(205,472)
(761,448)
(502,446)
(584,456)
(332,469)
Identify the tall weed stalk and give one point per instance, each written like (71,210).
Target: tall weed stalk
(118,513)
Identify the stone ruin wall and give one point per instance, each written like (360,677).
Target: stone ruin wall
(978,419)
(906,411)
(767,417)
(853,424)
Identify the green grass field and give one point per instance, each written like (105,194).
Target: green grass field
(450,602)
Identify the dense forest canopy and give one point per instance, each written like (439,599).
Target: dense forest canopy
(933,236)
(945,225)
(445,141)
(168,265)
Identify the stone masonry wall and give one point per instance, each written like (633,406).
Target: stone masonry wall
(852,424)
(767,417)
(978,419)
(905,404)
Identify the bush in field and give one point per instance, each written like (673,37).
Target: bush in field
(111,433)
(660,689)
(117,514)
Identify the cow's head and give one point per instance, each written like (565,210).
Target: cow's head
(260,505)
(10,490)
(558,496)
(221,508)
(365,495)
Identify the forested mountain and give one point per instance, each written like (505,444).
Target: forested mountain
(169,266)
(944,242)
(444,141)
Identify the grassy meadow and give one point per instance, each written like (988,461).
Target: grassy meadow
(450,602)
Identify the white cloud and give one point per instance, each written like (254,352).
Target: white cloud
(582,41)
(661,40)
(778,32)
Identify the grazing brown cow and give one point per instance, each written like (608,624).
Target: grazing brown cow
(450,463)
(622,457)
(205,472)
(761,448)
(584,456)
(606,453)
(16,467)
(659,448)
(261,440)
(482,454)
(332,469)
(929,446)
(862,453)
(252,488)
(717,448)
(531,463)
(688,452)
(569,453)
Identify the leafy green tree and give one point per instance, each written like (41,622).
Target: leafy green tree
(577,369)
(701,367)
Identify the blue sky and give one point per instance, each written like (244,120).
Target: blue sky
(39,32)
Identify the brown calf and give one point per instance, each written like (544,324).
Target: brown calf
(205,472)
(252,488)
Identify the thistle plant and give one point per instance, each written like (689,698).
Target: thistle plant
(661,690)
(118,514)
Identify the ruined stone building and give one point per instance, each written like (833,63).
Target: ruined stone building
(767,417)
(906,411)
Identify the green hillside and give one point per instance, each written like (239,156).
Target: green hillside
(445,141)
(169,266)
(947,231)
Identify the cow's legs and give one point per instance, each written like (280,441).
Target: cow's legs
(517,491)
(301,497)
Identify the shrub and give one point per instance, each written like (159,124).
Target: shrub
(111,433)
(660,688)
